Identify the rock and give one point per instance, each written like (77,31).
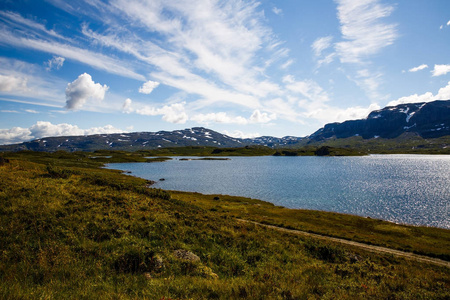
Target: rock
(162,179)
(186,255)
(216,198)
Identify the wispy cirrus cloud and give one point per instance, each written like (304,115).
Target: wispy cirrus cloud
(365,32)
(363,29)
(321,44)
(28,26)
(209,50)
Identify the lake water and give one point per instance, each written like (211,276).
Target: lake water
(411,189)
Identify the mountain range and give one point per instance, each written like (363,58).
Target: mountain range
(422,120)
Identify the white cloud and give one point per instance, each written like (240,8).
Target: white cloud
(308,88)
(55,63)
(441,70)
(46,129)
(328,114)
(14,135)
(369,82)
(173,113)
(148,87)
(277,11)
(448,23)
(240,135)
(209,49)
(31,111)
(287,64)
(83,89)
(363,31)
(259,117)
(126,107)
(220,117)
(421,67)
(11,83)
(443,94)
(95,60)
(26,24)
(321,44)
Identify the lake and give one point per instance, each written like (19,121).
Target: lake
(411,189)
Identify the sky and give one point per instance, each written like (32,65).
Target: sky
(242,68)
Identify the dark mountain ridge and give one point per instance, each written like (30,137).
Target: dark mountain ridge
(425,120)
(428,120)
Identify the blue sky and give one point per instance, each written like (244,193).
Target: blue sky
(243,68)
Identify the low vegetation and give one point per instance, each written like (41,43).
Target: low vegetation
(71,230)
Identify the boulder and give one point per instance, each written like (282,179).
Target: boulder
(186,255)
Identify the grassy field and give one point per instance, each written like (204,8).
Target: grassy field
(70,230)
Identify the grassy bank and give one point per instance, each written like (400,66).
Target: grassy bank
(69,230)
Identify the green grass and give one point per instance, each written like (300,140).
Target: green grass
(430,241)
(70,230)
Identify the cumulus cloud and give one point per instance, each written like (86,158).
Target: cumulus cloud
(327,114)
(442,94)
(14,135)
(362,29)
(83,89)
(173,113)
(126,107)
(241,135)
(148,87)
(440,70)
(421,67)
(221,117)
(55,63)
(46,129)
(259,117)
(11,83)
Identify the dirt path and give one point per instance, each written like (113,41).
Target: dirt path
(371,248)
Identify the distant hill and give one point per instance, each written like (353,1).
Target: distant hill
(197,136)
(416,122)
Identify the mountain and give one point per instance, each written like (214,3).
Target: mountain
(427,120)
(424,120)
(197,136)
